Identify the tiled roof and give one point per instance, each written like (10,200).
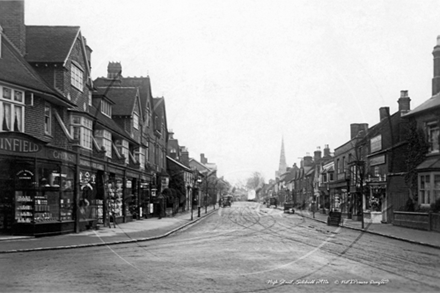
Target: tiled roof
(15,69)
(123,97)
(430,104)
(49,43)
(109,123)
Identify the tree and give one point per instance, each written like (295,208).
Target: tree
(255,182)
(418,147)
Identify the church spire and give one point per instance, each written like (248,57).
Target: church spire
(283,165)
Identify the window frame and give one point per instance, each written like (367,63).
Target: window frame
(428,191)
(135,121)
(77,77)
(85,129)
(14,103)
(47,119)
(433,130)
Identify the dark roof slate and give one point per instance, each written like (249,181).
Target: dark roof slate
(15,69)
(430,104)
(49,43)
(123,97)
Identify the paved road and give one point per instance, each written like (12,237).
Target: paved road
(238,249)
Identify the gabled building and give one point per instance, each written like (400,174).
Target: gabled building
(425,118)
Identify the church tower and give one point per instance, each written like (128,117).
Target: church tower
(283,165)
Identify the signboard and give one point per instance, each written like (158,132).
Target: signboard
(378,160)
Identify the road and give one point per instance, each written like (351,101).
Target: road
(245,248)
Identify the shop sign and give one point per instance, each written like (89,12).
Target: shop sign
(63,156)
(131,174)
(86,163)
(25,175)
(18,145)
(114,170)
(97,166)
(377,160)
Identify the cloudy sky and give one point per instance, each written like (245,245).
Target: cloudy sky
(238,76)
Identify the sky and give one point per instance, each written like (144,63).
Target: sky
(240,76)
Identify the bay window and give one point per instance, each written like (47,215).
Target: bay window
(104,139)
(81,129)
(429,187)
(11,109)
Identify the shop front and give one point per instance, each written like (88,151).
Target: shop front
(37,187)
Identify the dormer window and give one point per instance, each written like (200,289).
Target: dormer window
(106,108)
(76,77)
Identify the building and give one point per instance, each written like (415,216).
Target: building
(424,123)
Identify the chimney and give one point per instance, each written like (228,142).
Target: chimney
(326,151)
(114,70)
(184,156)
(308,160)
(358,129)
(436,78)
(12,22)
(317,154)
(170,134)
(404,102)
(203,160)
(384,112)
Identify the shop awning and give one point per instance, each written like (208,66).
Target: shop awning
(430,163)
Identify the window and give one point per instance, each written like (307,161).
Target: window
(76,77)
(47,119)
(135,121)
(81,129)
(11,109)
(122,146)
(429,188)
(337,166)
(106,108)
(90,97)
(140,156)
(433,133)
(104,139)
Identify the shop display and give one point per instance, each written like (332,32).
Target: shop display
(23,208)
(66,209)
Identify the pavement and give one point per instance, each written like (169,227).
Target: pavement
(135,231)
(421,237)
(154,228)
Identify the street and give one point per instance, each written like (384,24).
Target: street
(244,248)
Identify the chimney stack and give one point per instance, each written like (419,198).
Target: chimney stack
(358,128)
(203,160)
(317,154)
(404,102)
(12,22)
(114,70)
(326,151)
(308,160)
(436,78)
(184,156)
(384,112)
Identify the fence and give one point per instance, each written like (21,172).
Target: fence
(421,221)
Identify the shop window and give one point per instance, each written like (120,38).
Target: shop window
(81,129)
(11,109)
(76,77)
